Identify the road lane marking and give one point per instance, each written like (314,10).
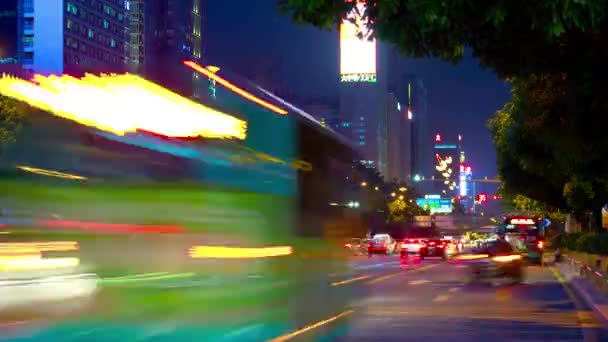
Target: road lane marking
(348,281)
(454,289)
(393,275)
(289,336)
(441,298)
(419,282)
(565,319)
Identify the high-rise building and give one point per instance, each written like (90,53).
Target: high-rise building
(417,111)
(72,36)
(364,88)
(9,32)
(447,165)
(398,140)
(164,33)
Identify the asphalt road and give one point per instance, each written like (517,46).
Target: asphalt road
(430,301)
(389,299)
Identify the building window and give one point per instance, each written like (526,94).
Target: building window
(362,143)
(71,8)
(90,33)
(120,16)
(112,43)
(106,24)
(69,24)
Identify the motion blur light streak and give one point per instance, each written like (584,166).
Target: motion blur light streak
(115,227)
(296,333)
(234,88)
(34,263)
(53,246)
(122,104)
(143,278)
(220,252)
(50,173)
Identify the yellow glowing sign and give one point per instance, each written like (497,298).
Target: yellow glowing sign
(357,51)
(121,104)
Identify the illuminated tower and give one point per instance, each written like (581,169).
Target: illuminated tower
(446,166)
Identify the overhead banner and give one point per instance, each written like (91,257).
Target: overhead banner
(357,51)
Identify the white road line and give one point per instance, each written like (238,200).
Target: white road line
(441,298)
(454,289)
(418,282)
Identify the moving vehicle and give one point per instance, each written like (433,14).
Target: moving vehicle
(357,246)
(524,234)
(434,248)
(382,244)
(204,234)
(411,246)
(496,259)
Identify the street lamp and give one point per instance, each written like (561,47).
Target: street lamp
(402,189)
(401,197)
(376,188)
(393,194)
(364,184)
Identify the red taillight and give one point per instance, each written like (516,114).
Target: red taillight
(348,245)
(540,244)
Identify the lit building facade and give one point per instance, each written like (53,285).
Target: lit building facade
(73,36)
(9,32)
(447,166)
(164,33)
(398,140)
(364,89)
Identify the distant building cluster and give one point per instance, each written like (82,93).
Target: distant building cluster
(147,37)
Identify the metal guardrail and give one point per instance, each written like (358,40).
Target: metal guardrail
(594,275)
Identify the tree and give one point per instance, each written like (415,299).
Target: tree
(550,145)
(550,138)
(513,37)
(12,116)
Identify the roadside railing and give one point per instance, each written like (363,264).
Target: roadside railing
(596,273)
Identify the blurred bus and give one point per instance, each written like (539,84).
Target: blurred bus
(145,236)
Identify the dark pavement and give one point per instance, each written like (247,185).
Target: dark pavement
(432,302)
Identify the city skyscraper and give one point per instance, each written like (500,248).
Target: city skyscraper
(69,36)
(364,89)
(9,32)
(164,33)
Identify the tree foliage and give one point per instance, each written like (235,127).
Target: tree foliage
(12,116)
(512,37)
(550,137)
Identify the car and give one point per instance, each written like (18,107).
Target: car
(434,248)
(356,246)
(411,246)
(382,244)
(495,260)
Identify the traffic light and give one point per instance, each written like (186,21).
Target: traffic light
(459,197)
(495,197)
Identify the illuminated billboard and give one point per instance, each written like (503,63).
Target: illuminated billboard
(357,52)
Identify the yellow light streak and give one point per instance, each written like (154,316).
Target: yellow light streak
(36,247)
(220,252)
(50,173)
(298,332)
(33,263)
(121,104)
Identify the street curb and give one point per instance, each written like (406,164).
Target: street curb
(601,310)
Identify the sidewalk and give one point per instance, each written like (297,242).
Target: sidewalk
(570,270)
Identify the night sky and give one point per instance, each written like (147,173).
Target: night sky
(461,98)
